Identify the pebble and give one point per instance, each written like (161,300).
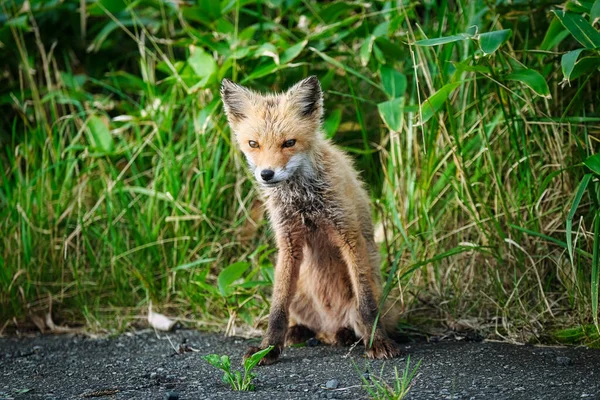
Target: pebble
(153,375)
(332,384)
(312,342)
(171,396)
(563,360)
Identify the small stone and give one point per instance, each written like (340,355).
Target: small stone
(172,396)
(153,375)
(170,385)
(367,376)
(563,360)
(332,384)
(312,342)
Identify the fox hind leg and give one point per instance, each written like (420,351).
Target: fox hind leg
(298,334)
(345,337)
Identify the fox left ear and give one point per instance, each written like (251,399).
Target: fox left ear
(307,93)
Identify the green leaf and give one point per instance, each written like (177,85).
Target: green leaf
(579,6)
(555,34)
(255,358)
(332,123)
(381,29)
(531,78)
(491,41)
(568,62)
(203,64)
(99,8)
(100,134)
(365,50)
(581,29)
(225,363)
(207,11)
(264,70)
(580,191)
(392,113)
(230,275)
(593,163)
(345,67)
(292,52)
(193,264)
(267,50)
(436,101)
(22,21)
(441,40)
(585,65)
(595,12)
(394,82)
(214,360)
(390,49)
(205,287)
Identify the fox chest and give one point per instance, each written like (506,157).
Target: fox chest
(305,209)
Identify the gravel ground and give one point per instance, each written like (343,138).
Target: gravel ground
(144,366)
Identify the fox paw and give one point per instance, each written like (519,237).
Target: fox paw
(298,334)
(383,349)
(345,337)
(269,359)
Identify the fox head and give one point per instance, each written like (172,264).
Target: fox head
(276,132)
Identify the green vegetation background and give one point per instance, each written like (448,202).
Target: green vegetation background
(475,124)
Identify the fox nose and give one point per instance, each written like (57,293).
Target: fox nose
(267,174)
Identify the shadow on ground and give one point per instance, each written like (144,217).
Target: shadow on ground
(144,366)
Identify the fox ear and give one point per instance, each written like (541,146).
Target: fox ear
(308,95)
(236,100)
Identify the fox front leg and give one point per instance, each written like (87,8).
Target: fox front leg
(290,245)
(354,251)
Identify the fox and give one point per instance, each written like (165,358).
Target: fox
(327,274)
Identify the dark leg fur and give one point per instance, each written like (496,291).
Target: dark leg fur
(298,334)
(345,337)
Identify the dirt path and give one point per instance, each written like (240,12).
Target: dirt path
(142,366)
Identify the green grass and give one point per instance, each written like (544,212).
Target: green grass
(379,389)
(235,379)
(119,183)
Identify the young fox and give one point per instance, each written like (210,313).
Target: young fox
(327,278)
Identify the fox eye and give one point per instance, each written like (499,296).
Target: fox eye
(253,144)
(289,143)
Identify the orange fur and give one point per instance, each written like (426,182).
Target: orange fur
(327,278)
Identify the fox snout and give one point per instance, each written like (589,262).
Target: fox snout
(270,175)
(267,174)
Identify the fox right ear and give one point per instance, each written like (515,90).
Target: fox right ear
(236,100)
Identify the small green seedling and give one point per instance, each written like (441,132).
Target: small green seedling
(378,389)
(235,378)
